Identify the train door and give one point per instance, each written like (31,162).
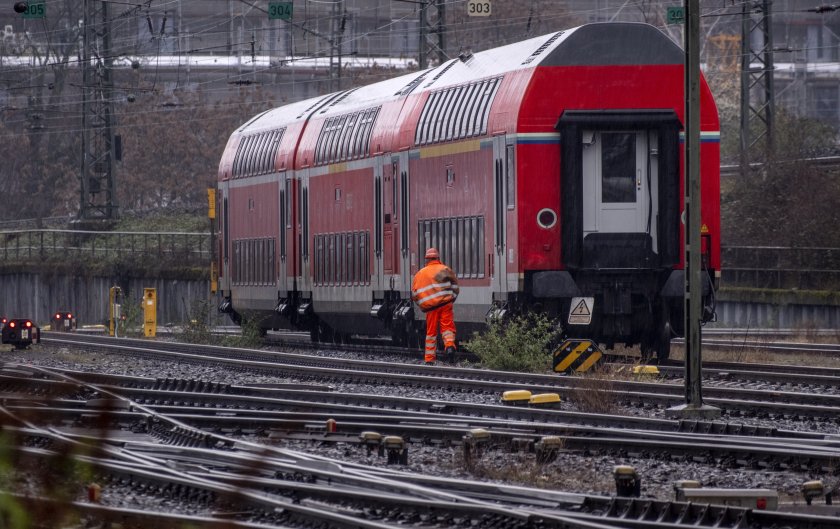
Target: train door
(224,239)
(620,175)
(284,284)
(304,280)
(403,269)
(498,260)
(383,245)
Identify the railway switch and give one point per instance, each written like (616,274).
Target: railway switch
(547,448)
(627,481)
(394,445)
(474,442)
(372,440)
(815,489)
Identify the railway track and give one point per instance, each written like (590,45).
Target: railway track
(288,488)
(762,401)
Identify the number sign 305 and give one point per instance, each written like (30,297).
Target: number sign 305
(478,8)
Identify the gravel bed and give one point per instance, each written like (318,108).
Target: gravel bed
(570,472)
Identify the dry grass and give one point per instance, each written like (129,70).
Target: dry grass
(595,392)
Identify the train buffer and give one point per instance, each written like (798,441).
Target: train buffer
(576,355)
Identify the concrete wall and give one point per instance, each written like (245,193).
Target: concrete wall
(39,296)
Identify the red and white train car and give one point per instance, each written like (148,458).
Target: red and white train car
(545,171)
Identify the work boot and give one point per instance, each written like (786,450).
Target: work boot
(450,354)
(430,363)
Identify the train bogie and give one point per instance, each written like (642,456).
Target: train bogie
(550,180)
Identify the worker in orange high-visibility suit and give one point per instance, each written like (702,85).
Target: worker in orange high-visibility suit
(434,289)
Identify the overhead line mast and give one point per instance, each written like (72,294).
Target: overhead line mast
(99,148)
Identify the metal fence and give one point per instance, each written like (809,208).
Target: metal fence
(30,246)
(781,267)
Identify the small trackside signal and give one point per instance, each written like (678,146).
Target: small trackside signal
(21,333)
(63,320)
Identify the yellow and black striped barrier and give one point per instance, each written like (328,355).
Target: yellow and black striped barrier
(576,355)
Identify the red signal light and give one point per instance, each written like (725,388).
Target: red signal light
(12,325)
(57,316)
(69,315)
(28,323)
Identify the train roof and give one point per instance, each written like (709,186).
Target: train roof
(606,43)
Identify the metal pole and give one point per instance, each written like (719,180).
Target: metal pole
(693,278)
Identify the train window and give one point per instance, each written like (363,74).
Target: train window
(242,156)
(373,114)
(237,159)
(335,137)
(472,116)
(377,215)
(435,101)
(288,204)
(359,132)
(462,245)
(480,250)
(225,227)
(272,260)
(510,176)
(262,261)
(259,153)
(305,208)
(452,114)
(329,259)
(486,101)
(322,140)
(618,162)
(253,148)
(420,133)
(464,111)
(443,117)
(365,277)
(353,128)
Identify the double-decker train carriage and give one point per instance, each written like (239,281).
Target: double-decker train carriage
(546,172)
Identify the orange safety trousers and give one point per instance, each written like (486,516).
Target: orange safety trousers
(441,316)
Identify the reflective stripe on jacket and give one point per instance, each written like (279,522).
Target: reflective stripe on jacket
(434,286)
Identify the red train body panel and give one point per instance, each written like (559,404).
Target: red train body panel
(545,171)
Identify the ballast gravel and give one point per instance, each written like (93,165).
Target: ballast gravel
(569,472)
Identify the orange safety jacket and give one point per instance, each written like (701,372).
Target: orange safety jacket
(434,286)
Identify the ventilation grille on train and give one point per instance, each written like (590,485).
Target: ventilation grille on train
(542,48)
(345,137)
(440,73)
(407,89)
(457,112)
(338,100)
(256,153)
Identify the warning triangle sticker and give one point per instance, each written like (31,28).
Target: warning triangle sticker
(581,309)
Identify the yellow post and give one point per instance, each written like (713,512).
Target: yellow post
(114,300)
(149,312)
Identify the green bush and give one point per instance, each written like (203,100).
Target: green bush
(519,344)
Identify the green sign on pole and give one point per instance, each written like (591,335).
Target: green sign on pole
(34,10)
(675,15)
(280,10)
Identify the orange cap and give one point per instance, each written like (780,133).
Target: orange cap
(432,253)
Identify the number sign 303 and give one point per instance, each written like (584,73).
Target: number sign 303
(478,8)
